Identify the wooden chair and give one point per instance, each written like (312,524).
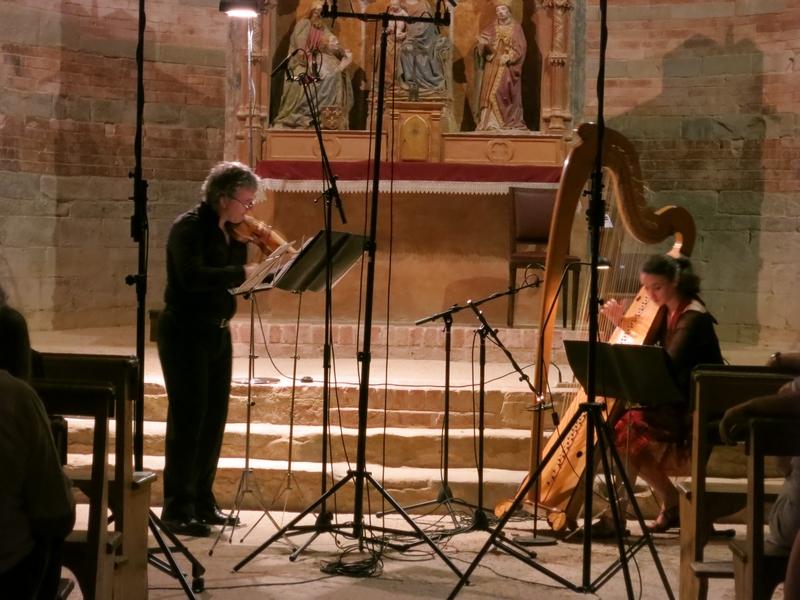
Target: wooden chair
(759,565)
(129,498)
(715,389)
(531,213)
(89,553)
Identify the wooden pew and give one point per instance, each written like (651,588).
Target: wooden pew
(90,553)
(758,565)
(129,491)
(715,389)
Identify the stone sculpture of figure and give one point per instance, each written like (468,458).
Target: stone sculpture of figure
(398,32)
(334,90)
(422,67)
(306,38)
(499,53)
(308,34)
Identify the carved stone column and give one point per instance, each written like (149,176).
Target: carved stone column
(261,88)
(554,20)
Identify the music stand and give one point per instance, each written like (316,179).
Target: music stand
(247,482)
(635,374)
(308,270)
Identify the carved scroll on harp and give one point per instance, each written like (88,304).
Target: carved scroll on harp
(560,489)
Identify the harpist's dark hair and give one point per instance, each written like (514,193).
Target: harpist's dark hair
(674,268)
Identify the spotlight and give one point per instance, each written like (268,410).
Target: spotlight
(239,8)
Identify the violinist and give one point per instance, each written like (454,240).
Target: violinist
(194,343)
(655,442)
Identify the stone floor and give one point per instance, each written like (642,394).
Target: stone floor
(419,573)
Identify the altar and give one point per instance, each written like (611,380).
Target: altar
(464,122)
(443,234)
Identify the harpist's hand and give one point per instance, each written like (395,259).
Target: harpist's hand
(614,311)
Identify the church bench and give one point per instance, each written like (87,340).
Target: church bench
(715,389)
(129,491)
(89,553)
(759,565)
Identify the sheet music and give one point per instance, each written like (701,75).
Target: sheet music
(263,269)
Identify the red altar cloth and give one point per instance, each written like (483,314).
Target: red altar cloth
(454,178)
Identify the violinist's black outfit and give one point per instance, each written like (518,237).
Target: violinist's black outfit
(195,349)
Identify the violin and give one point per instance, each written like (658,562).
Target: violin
(256,232)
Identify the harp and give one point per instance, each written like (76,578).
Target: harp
(635,232)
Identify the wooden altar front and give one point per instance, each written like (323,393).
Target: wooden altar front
(444,226)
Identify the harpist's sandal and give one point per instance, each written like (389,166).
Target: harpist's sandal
(667,519)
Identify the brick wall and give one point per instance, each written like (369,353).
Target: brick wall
(67,131)
(708,92)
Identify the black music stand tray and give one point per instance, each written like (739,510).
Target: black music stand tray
(636,374)
(651,376)
(306,271)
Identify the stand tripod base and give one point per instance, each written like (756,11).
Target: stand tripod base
(535,540)
(256,380)
(170,566)
(247,485)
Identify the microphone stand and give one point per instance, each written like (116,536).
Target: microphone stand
(445,496)
(140,233)
(360,476)
(591,412)
(331,196)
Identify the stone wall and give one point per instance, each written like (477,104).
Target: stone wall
(67,146)
(708,93)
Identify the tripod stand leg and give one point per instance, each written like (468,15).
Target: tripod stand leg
(606,444)
(237,503)
(648,539)
(256,491)
(282,532)
(157,528)
(398,509)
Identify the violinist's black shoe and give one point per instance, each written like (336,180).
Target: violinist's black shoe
(216,517)
(191,527)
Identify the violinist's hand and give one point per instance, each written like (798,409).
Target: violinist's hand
(249,269)
(614,311)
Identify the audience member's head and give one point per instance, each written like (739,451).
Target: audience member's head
(15,344)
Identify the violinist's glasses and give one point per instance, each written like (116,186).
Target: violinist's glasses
(247,205)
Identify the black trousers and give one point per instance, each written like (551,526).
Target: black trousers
(196,359)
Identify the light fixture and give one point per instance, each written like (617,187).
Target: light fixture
(239,8)
(603,263)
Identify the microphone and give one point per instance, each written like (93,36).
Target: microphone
(284,63)
(452,3)
(315,65)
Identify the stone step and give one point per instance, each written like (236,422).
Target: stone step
(406,485)
(404,447)
(420,342)
(405,406)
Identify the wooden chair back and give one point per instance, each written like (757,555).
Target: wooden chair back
(89,553)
